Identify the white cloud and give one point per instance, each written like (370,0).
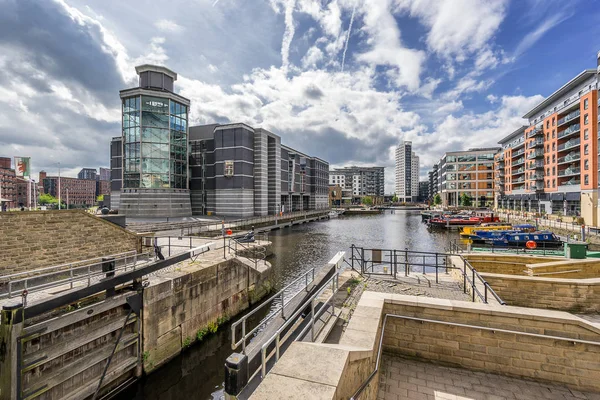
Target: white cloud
(532,37)
(167,25)
(450,107)
(313,56)
(492,98)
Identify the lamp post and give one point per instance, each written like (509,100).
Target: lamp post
(59,185)
(67,198)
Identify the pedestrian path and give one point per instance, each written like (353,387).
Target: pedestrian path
(402,378)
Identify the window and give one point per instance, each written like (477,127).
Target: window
(586,165)
(547,184)
(553,121)
(585,119)
(548,158)
(553,183)
(553,158)
(586,179)
(585,134)
(585,104)
(586,149)
(553,134)
(553,146)
(547,124)
(553,170)
(547,136)
(547,148)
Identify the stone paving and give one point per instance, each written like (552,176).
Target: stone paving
(402,378)
(419,285)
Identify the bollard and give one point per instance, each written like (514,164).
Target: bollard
(236,374)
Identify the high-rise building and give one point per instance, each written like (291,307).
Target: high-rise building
(154,147)
(364,181)
(551,165)
(407,173)
(87,173)
(103,174)
(423,191)
(433,185)
(470,172)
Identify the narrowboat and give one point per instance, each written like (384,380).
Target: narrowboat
(542,239)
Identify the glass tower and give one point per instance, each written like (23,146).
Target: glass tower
(155,146)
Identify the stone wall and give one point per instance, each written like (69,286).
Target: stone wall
(508,353)
(175,309)
(569,268)
(574,295)
(505,263)
(36,239)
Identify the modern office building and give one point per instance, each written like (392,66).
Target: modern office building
(551,165)
(433,183)
(241,171)
(407,173)
(470,172)
(103,174)
(87,173)
(154,148)
(423,191)
(364,181)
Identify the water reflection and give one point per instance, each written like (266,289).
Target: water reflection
(198,373)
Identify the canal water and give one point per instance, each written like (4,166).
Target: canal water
(198,373)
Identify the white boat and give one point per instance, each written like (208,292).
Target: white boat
(333,214)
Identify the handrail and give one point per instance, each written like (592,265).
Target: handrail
(74,275)
(276,336)
(280,294)
(363,386)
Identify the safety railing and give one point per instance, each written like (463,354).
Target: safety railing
(276,337)
(254,253)
(296,286)
(364,385)
(409,261)
(70,273)
(542,249)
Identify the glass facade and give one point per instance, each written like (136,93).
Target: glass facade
(155,143)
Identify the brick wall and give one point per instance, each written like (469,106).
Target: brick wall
(513,354)
(574,295)
(36,239)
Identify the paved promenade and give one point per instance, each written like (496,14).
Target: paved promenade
(402,378)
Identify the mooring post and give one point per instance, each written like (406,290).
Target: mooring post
(10,332)
(236,375)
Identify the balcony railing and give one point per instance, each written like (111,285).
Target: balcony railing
(535,132)
(535,154)
(519,161)
(570,144)
(570,130)
(521,179)
(535,165)
(569,158)
(569,171)
(571,182)
(538,186)
(518,153)
(537,177)
(568,117)
(517,145)
(537,142)
(518,171)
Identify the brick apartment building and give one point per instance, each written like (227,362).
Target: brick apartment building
(8,182)
(73,191)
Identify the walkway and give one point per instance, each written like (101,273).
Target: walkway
(402,378)
(418,284)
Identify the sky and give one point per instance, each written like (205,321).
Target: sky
(343,80)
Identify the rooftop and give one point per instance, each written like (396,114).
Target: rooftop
(513,135)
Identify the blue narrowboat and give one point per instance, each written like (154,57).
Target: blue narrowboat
(542,239)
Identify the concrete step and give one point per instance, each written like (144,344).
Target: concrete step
(332,321)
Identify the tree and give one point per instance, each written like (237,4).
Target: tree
(395,198)
(100,198)
(47,199)
(465,200)
(367,201)
(437,199)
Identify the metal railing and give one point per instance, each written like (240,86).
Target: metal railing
(255,253)
(367,259)
(541,249)
(568,117)
(567,145)
(569,171)
(281,295)
(69,273)
(572,129)
(364,385)
(276,337)
(569,158)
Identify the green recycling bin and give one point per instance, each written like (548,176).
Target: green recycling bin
(576,250)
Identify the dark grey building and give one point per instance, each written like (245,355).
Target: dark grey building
(240,171)
(87,173)
(423,191)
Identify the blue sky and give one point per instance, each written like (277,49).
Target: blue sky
(446,74)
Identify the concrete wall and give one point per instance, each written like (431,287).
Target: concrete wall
(512,354)
(39,239)
(177,308)
(574,295)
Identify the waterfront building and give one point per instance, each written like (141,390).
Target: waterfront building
(103,174)
(8,189)
(433,183)
(407,173)
(470,172)
(423,191)
(74,192)
(551,165)
(241,171)
(153,148)
(87,173)
(363,181)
